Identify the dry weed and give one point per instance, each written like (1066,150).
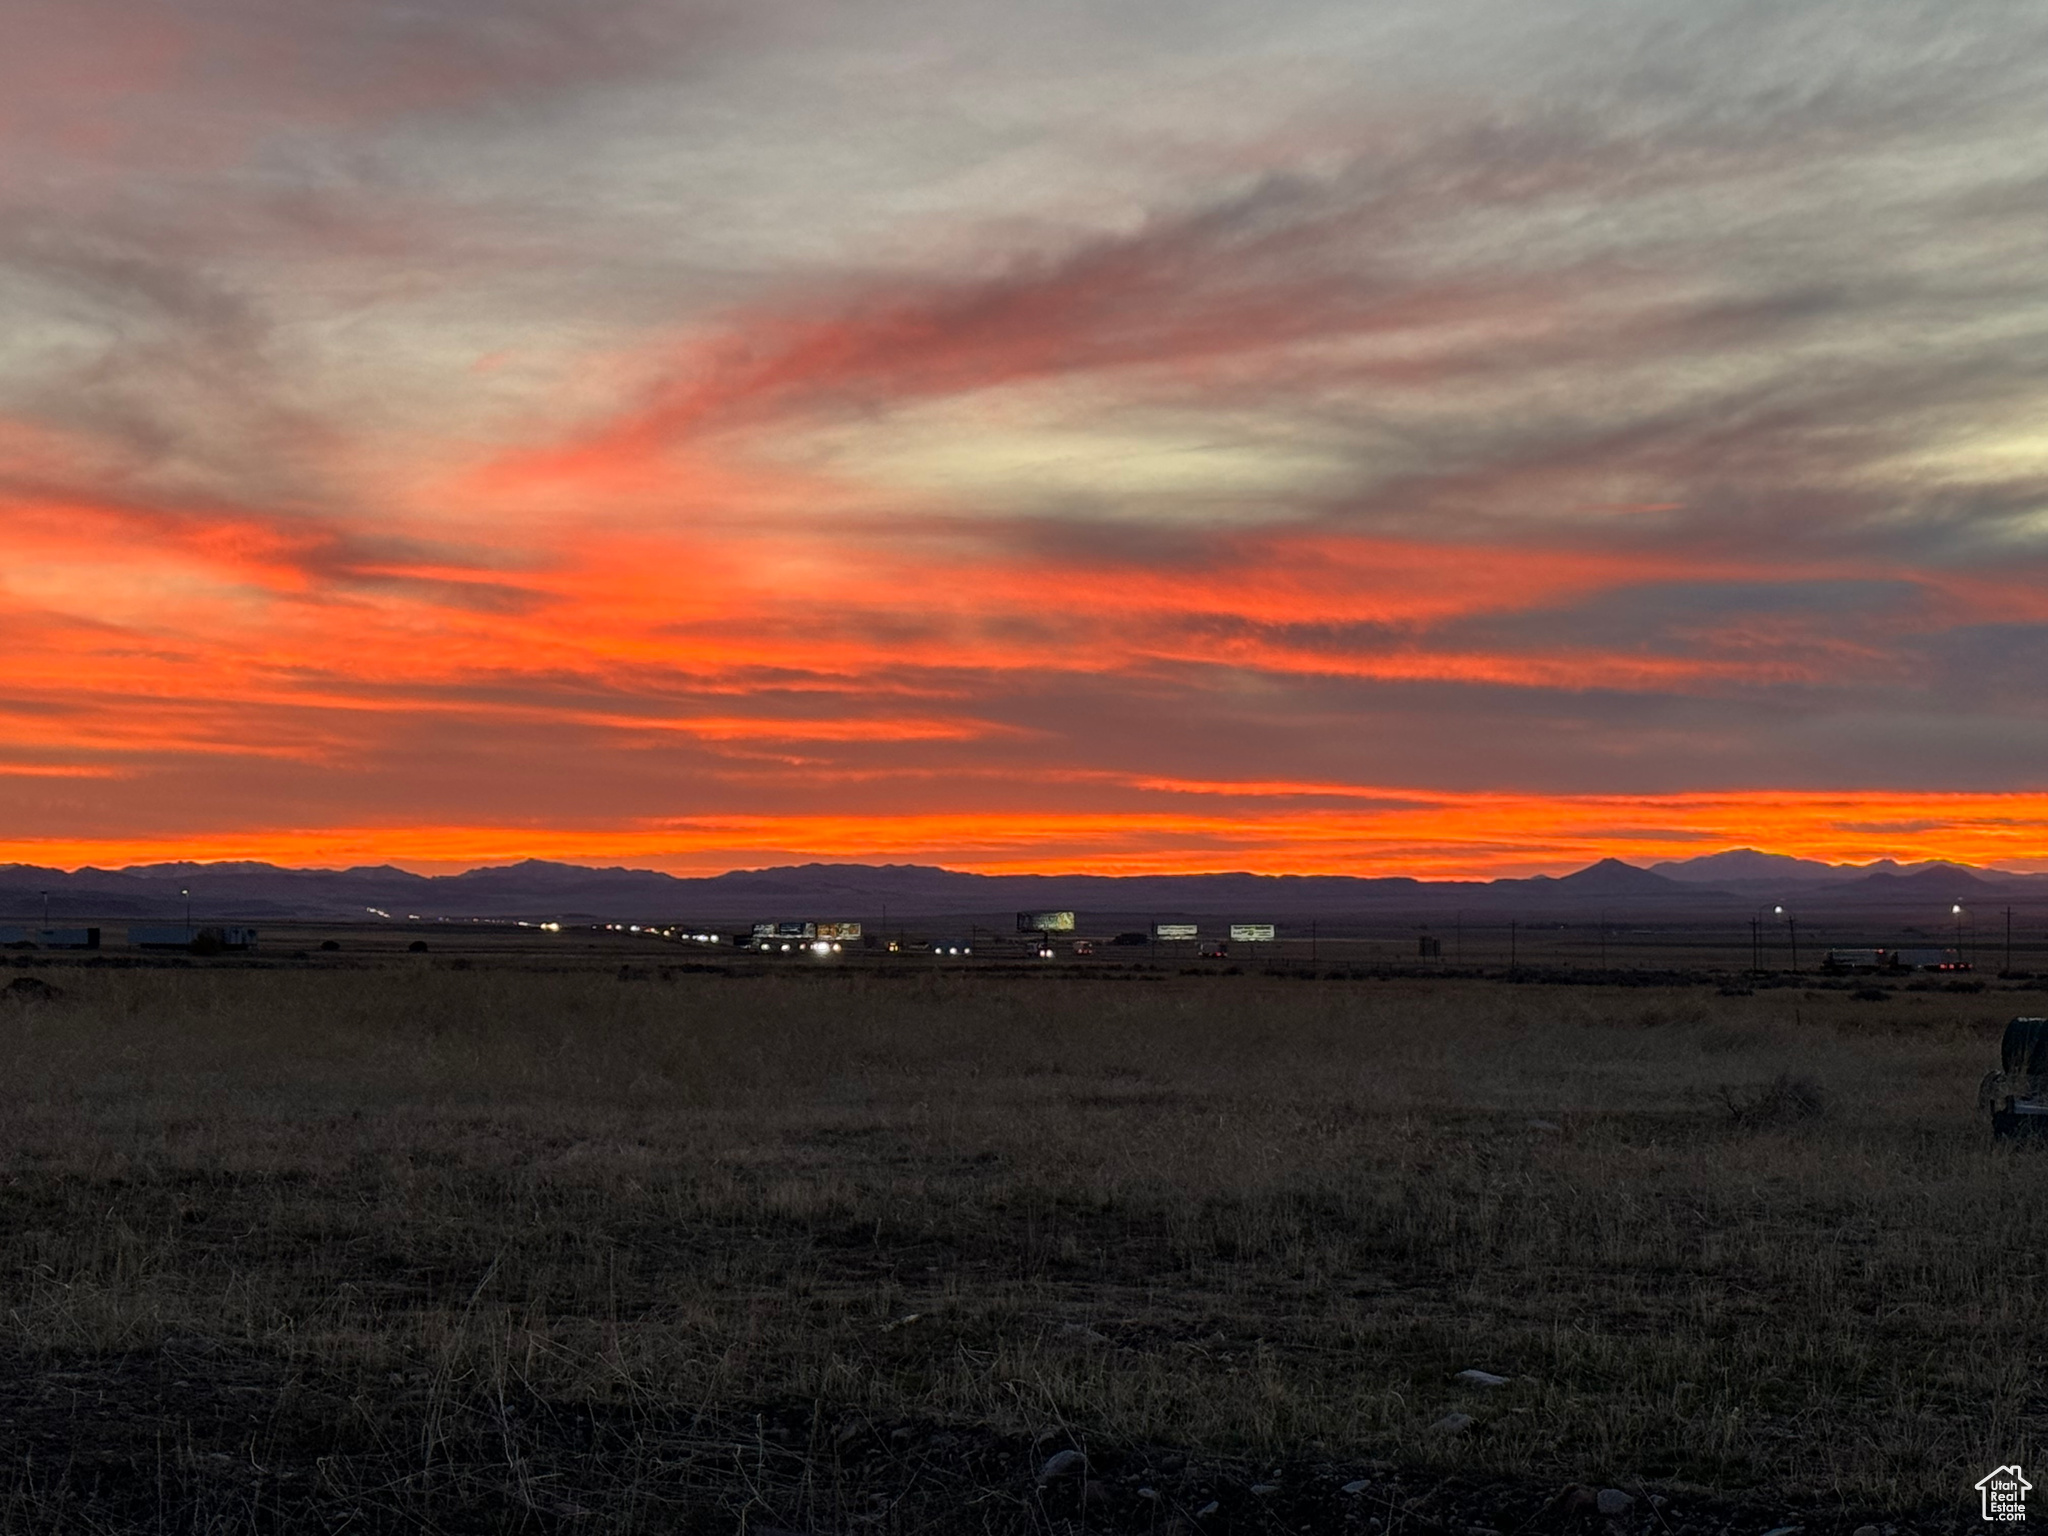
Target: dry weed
(432,1217)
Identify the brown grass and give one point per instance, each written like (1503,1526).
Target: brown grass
(451,1234)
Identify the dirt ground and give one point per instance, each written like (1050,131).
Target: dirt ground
(390,1244)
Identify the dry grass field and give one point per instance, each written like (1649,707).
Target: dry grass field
(409,1247)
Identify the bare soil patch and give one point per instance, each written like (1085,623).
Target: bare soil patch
(415,1248)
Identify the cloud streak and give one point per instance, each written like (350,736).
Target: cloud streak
(831,438)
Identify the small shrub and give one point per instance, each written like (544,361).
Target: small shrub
(1871,995)
(1786,1099)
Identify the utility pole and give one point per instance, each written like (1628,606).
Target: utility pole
(1756,946)
(1603,941)
(1511,943)
(2008,938)
(46,909)
(1458,943)
(1311,940)
(1792,929)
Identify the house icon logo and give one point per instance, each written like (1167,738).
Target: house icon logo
(2004,1492)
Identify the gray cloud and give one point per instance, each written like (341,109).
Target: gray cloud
(1745,293)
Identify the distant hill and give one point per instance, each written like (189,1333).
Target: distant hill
(1611,877)
(1749,866)
(539,889)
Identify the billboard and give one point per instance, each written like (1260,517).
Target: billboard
(839,930)
(1251,933)
(1174,930)
(1045,922)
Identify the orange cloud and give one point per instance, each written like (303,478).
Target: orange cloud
(1418,832)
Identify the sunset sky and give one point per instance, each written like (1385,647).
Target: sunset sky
(1431,437)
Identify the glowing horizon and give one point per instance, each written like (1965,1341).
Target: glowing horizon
(1422,834)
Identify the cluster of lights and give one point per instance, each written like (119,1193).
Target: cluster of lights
(664,933)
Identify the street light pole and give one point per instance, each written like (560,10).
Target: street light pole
(1756,937)
(1957,909)
(1791,932)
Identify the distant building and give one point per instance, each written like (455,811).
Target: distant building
(793,935)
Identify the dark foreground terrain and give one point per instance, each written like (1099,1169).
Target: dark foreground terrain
(405,1247)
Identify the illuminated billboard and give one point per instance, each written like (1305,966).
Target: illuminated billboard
(1174,931)
(1252,933)
(1045,922)
(839,930)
